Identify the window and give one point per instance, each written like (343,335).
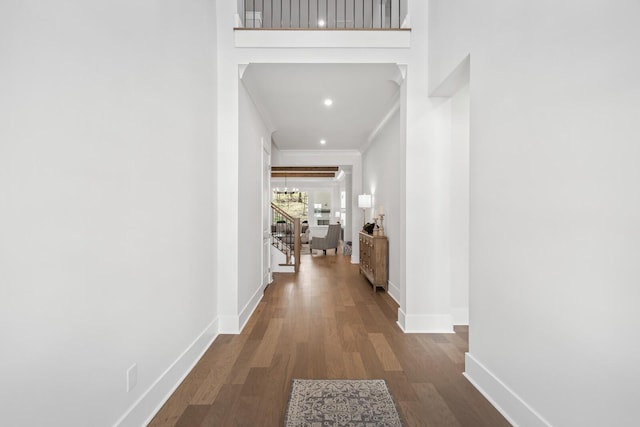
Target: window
(292,202)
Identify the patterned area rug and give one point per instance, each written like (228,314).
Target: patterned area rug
(353,403)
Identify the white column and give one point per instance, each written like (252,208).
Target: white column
(310,200)
(348,197)
(228,166)
(425,301)
(357,217)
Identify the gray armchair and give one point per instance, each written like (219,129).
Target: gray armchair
(329,241)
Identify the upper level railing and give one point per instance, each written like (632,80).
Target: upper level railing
(323,14)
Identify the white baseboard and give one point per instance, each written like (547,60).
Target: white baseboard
(229,324)
(401,319)
(508,403)
(460,315)
(233,324)
(148,405)
(355,258)
(425,323)
(250,307)
(394,291)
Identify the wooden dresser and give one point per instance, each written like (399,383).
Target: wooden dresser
(374,259)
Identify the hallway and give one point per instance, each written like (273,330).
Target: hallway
(325,322)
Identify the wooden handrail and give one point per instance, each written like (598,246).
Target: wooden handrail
(281,212)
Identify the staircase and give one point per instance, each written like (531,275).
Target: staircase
(285,241)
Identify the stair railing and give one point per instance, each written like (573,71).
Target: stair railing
(285,235)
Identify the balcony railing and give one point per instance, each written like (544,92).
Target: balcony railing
(323,14)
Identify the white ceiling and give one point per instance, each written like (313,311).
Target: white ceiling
(290,97)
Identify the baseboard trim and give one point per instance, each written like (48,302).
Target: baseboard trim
(460,315)
(401,319)
(425,323)
(394,291)
(250,307)
(147,406)
(229,324)
(233,324)
(505,400)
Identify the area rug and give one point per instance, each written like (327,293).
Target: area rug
(353,403)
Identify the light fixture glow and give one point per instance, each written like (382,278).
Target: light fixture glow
(328,102)
(364,203)
(323,141)
(321,23)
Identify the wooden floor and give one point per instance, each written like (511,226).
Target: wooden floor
(325,322)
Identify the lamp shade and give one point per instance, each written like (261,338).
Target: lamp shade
(364,201)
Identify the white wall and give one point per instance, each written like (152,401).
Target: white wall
(459,211)
(425,300)
(252,132)
(554,203)
(107,133)
(381,174)
(275,155)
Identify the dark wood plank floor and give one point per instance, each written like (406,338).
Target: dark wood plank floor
(325,322)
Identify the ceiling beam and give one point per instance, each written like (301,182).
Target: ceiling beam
(304,168)
(303,175)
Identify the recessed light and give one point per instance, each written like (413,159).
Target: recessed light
(328,102)
(321,23)
(323,141)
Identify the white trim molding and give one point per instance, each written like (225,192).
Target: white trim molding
(399,39)
(229,324)
(251,306)
(394,291)
(394,107)
(425,323)
(508,403)
(460,315)
(148,405)
(233,324)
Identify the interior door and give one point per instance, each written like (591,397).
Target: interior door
(266,214)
